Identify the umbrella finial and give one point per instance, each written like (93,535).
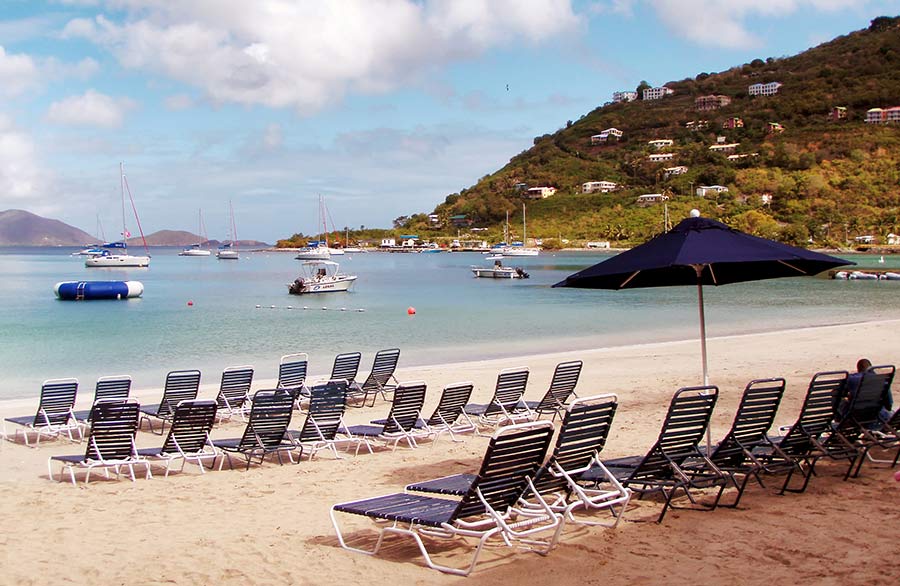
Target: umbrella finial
(695,213)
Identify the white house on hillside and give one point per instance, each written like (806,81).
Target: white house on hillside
(705,190)
(660,143)
(764,89)
(673,171)
(659,157)
(598,187)
(649,198)
(624,96)
(656,93)
(540,192)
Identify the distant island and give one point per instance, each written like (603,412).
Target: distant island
(23,228)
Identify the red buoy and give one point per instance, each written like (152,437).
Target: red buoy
(411,310)
(190,303)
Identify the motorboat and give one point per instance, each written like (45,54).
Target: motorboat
(321,276)
(498,271)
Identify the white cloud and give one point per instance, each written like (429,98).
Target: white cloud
(720,23)
(19,177)
(90,109)
(18,73)
(308,55)
(178,102)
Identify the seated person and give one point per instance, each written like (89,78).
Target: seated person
(842,403)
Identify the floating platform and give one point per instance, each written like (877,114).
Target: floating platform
(91,290)
(865,274)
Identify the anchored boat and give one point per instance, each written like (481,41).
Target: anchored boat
(321,276)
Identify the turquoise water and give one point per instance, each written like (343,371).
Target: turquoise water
(457,316)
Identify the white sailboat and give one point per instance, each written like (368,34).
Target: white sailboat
(197,249)
(519,249)
(318,249)
(121,259)
(229,250)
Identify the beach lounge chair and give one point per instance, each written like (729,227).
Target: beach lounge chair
(400,424)
(54,414)
(449,416)
(798,451)
(888,437)
(292,371)
(562,387)
(734,454)
(346,366)
(234,393)
(487,509)
(324,418)
(581,438)
(379,380)
(855,430)
(266,429)
(662,470)
(110,443)
(506,406)
(181,385)
(108,387)
(188,438)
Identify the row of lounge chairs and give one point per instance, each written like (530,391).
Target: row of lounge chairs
(520,492)
(56,414)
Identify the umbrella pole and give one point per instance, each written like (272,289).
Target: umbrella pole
(703,349)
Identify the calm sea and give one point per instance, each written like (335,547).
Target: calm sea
(457,316)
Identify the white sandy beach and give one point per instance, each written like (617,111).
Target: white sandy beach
(271,525)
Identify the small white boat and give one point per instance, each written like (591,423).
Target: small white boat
(861,276)
(518,250)
(194,250)
(90,251)
(335,251)
(498,271)
(891,276)
(314,251)
(117,260)
(228,250)
(321,276)
(120,259)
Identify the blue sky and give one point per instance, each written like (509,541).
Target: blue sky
(383,106)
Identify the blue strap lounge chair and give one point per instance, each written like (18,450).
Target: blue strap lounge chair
(54,415)
(266,429)
(108,387)
(798,450)
(110,444)
(292,372)
(400,424)
(181,385)
(506,406)
(582,436)
(734,454)
(487,509)
(378,382)
(188,438)
(324,418)
(562,388)
(234,393)
(661,470)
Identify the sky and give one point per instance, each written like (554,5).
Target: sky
(384,107)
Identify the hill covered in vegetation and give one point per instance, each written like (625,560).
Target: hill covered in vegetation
(808,175)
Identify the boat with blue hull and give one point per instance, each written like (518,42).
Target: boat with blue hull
(91,290)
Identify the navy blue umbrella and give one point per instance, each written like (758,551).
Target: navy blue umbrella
(699,251)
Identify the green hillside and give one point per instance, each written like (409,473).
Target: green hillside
(828,179)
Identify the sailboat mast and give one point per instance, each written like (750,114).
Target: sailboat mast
(524,232)
(233,226)
(122,189)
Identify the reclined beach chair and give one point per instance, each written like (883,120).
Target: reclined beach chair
(887,436)
(487,509)
(506,406)
(181,385)
(266,429)
(54,413)
(108,387)
(188,438)
(449,415)
(110,443)
(234,393)
(734,454)
(400,424)
(324,418)
(581,438)
(292,375)
(661,469)
(562,387)
(346,366)
(797,450)
(379,380)
(855,430)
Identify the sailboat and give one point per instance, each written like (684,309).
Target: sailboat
(116,258)
(318,249)
(196,249)
(94,249)
(517,248)
(229,250)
